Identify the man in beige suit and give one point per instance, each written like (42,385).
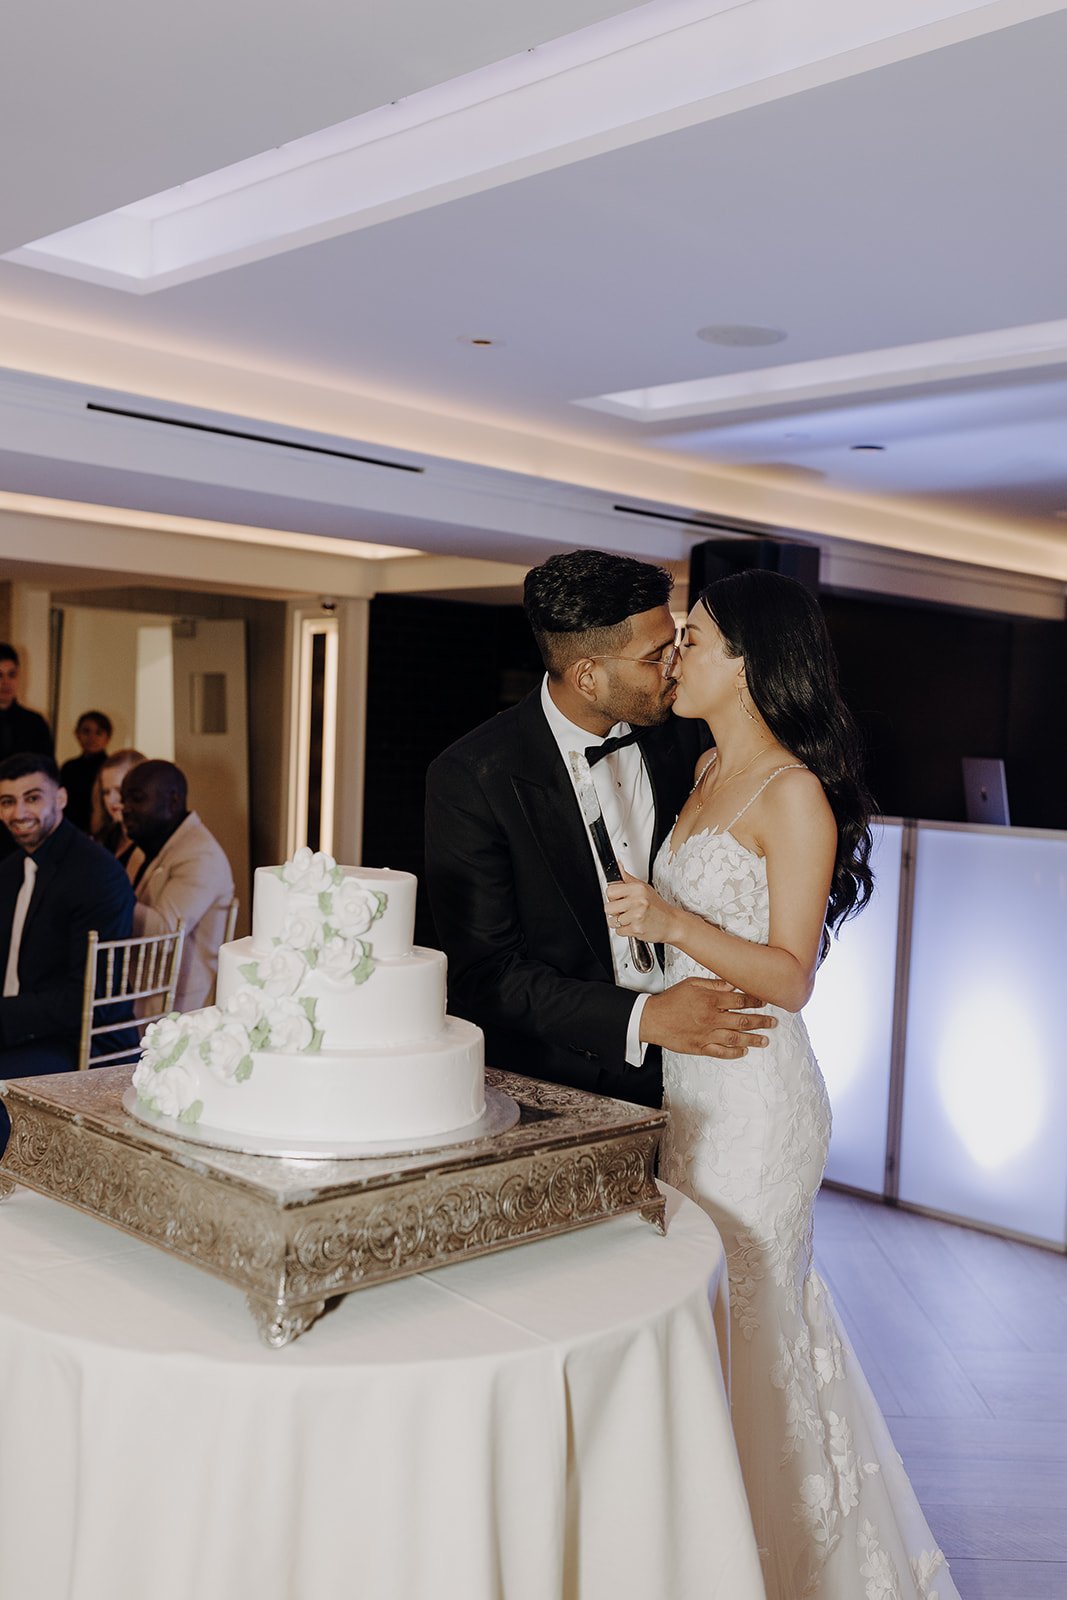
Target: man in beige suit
(184,876)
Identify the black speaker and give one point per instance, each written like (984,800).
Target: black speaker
(717,558)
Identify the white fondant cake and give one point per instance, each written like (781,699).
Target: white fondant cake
(329,1025)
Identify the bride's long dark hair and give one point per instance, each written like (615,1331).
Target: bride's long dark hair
(776,625)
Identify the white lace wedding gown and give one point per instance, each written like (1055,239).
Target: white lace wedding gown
(834,1513)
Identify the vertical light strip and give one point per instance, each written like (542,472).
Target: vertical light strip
(301,754)
(311,628)
(329,734)
(905,913)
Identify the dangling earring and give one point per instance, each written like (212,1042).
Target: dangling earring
(742,704)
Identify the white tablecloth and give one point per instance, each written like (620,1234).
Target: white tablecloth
(548,1422)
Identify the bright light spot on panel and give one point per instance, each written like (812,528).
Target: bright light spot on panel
(993,1091)
(985,1094)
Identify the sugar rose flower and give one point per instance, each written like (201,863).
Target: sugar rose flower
(280,972)
(302,927)
(170,1092)
(246,1005)
(339,957)
(161,1037)
(198,1024)
(225,1049)
(290,1026)
(354,908)
(309,872)
(143,1078)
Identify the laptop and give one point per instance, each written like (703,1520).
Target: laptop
(985,790)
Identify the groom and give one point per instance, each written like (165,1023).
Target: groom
(516,890)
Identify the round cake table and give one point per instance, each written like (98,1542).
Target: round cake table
(548,1422)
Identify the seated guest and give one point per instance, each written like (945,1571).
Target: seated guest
(20,728)
(78,775)
(184,876)
(109,829)
(54,887)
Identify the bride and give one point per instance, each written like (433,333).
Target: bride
(769,853)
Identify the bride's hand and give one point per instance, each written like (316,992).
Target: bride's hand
(637,911)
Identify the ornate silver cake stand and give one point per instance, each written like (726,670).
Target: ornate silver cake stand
(293,1232)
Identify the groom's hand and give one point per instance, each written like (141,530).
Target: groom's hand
(705,1017)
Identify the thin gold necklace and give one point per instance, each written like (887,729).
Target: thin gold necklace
(698,786)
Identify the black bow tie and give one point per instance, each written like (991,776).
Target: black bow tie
(597,752)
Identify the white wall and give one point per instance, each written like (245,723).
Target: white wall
(98,672)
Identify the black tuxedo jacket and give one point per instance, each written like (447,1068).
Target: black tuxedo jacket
(518,905)
(79,886)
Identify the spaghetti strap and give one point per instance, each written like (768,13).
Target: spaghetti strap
(792,766)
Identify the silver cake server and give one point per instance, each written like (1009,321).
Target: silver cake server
(641,954)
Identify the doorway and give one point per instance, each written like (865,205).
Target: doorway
(176,689)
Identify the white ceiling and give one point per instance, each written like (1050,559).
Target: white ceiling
(918,200)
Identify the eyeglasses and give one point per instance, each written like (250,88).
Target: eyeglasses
(666,661)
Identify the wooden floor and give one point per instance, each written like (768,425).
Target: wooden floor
(963,1338)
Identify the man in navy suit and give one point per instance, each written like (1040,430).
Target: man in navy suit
(54,887)
(516,892)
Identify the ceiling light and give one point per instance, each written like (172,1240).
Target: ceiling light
(163,522)
(479,344)
(447,140)
(866,446)
(792,382)
(739,335)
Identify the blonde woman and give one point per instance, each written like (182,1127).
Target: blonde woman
(108,827)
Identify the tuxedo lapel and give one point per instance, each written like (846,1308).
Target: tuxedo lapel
(47,870)
(10,884)
(545,793)
(669,775)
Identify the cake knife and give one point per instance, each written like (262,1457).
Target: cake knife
(641,954)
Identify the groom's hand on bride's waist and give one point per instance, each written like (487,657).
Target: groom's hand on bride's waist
(705,1017)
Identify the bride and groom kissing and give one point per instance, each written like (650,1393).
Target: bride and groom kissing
(739,861)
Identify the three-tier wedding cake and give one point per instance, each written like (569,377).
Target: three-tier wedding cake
(330,1025)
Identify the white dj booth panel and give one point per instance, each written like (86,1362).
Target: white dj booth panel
(984,1126)
(850,1020)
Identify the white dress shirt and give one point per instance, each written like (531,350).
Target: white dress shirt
(18,923)
(624,790)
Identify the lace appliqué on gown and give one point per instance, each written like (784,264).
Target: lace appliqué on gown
(835,1516)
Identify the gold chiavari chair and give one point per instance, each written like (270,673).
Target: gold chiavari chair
(231,920)
(120,971)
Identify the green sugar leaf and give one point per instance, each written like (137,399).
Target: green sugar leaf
(259,1034)
(311,956)
(308,1006)
(362,972)
(316,1041)
(192,1113)
(326,902)
(337,877)
(178,1050)
(250,973)
(244,1069)
(383,901)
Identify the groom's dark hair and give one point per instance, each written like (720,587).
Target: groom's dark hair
(580,604)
